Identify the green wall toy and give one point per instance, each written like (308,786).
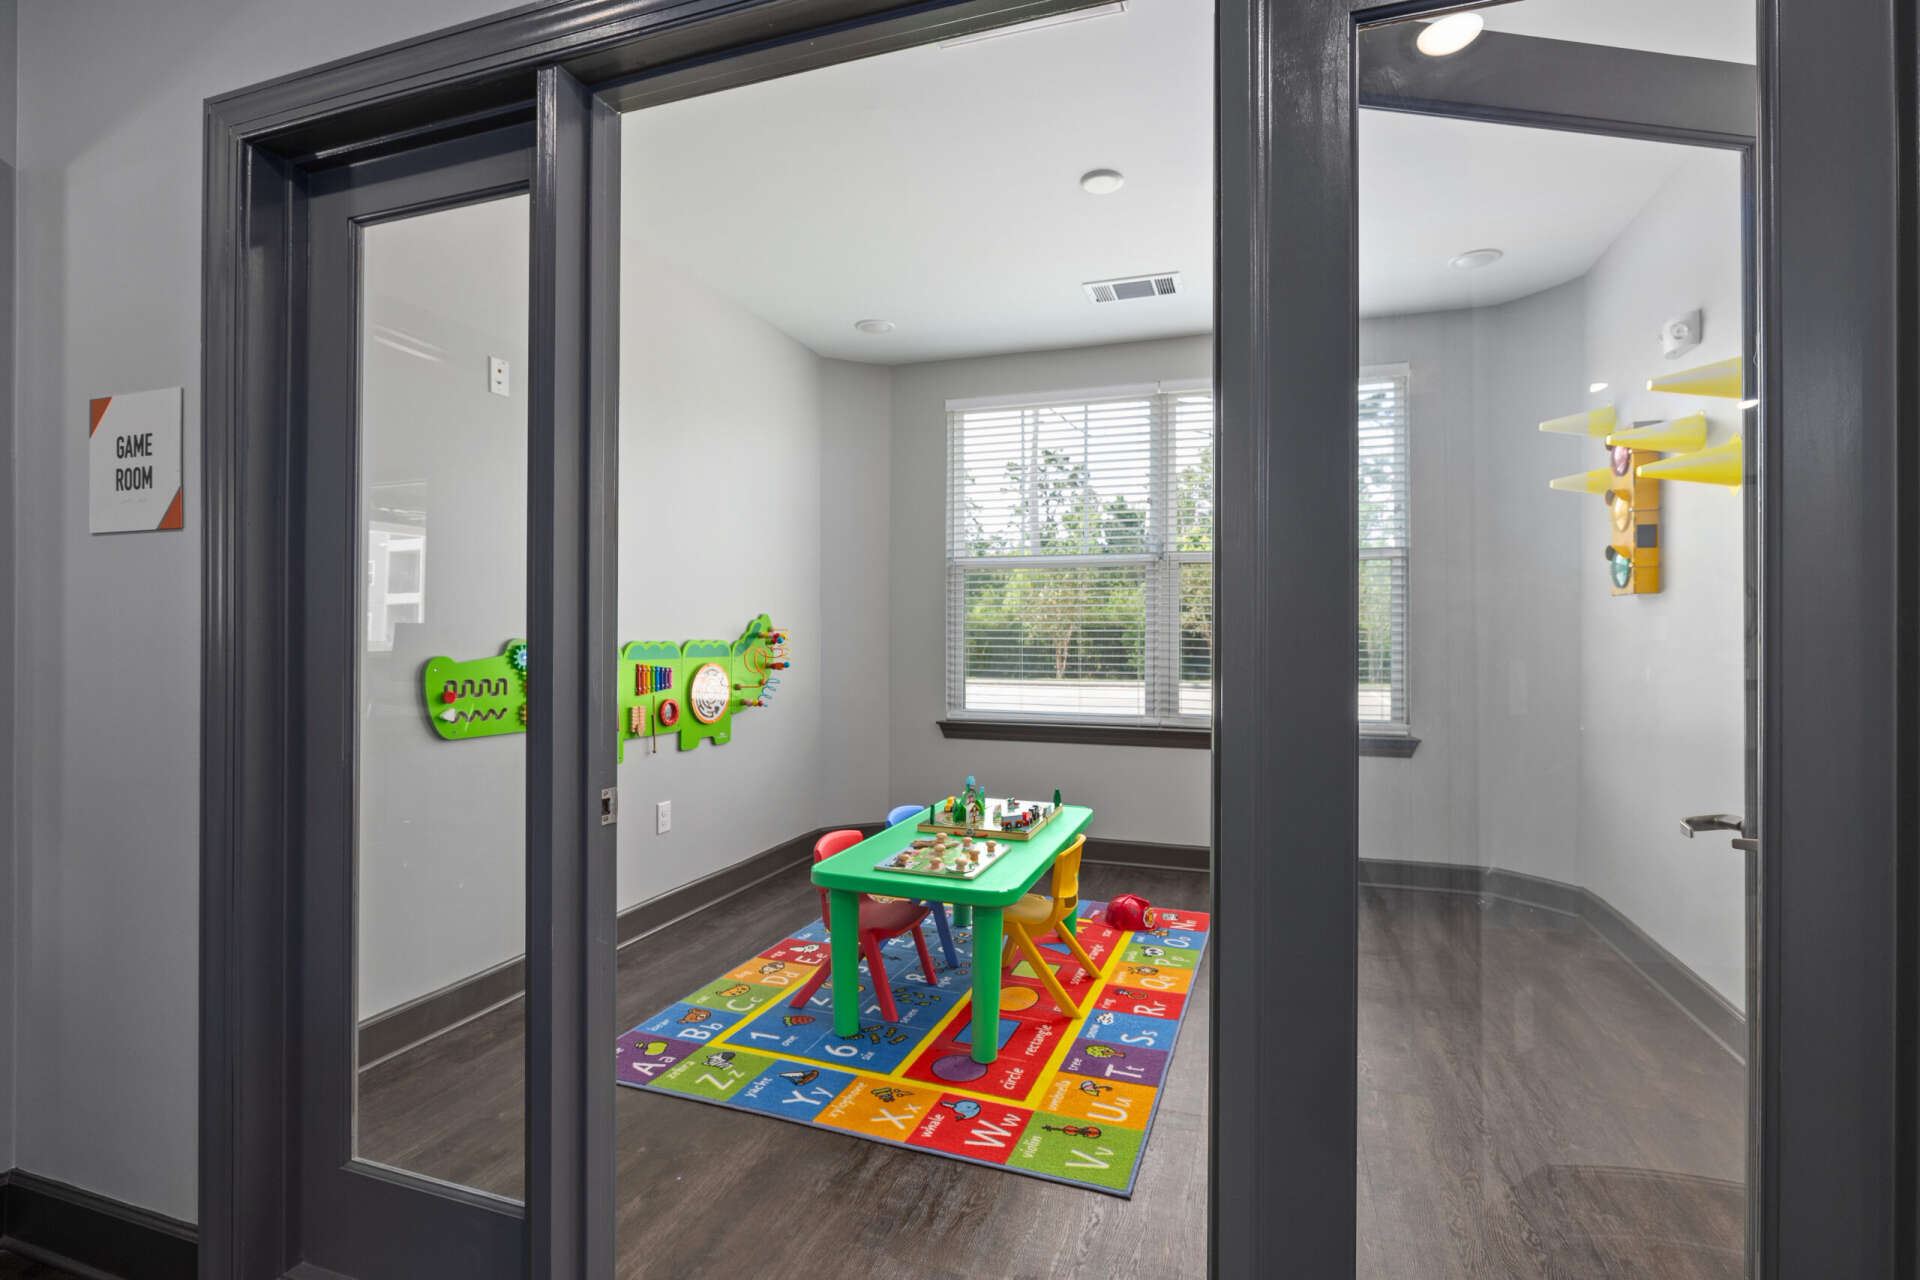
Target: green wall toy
(690,689)
(480,698)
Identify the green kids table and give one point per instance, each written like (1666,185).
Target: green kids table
(848,874)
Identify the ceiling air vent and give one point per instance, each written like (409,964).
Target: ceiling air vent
(1161,284)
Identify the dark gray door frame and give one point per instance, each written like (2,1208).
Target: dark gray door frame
(1530,80)
(358,1218)
(1834,1066)
(575,473)
(1839,775)
(287,1178)
(262,147)
(1285,795)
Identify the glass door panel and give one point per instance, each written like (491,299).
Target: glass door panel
(967,475)
(1554,344)
(440,828)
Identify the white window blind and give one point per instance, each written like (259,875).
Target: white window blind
(1385,530)
(1080,557)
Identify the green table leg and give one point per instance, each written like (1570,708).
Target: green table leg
(962,915)
(843,924)
(986,984)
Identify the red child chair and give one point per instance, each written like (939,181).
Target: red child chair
(880,921)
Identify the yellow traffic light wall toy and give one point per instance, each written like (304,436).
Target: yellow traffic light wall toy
(690,689)
(1633,504)
(1639,457)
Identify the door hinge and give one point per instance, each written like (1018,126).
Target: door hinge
(609,806)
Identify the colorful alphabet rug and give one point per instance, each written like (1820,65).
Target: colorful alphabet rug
(1071,1100)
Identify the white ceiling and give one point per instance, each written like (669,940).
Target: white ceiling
(1720,29)
(938,188)
(1431,188)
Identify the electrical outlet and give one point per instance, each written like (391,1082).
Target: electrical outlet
(497,375)
(663,817)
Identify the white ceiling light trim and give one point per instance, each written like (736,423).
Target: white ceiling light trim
(874,326)
(1102,182)
(1475,259)
(1038,24)
(1450,34)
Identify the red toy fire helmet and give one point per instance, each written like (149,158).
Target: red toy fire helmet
(1130,911)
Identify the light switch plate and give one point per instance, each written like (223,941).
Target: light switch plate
(663,817)
(497,375)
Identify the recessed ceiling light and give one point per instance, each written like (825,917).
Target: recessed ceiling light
(1594,389)
(874,326)
(1450,34)
(1101,182)
(1474,259)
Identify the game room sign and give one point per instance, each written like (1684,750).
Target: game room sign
(133,462)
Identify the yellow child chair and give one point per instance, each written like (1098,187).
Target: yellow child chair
(1035,916)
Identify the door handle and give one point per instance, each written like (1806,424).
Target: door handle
(1712,822)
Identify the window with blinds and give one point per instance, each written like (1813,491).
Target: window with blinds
(1080,557)
(1384,533)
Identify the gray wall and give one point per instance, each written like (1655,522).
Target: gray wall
(106,695)
(442,843)
(1526,593)
(1663,700)
(803,455)
(854,653)
(1493,614)
(750,473)
(1137,793)
(753,479)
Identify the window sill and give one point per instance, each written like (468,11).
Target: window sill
(1390,746)
(1102,735)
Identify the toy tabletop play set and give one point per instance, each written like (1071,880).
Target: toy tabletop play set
(954,857)
(974,813)
(691,689)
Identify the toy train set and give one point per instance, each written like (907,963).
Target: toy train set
(974,813)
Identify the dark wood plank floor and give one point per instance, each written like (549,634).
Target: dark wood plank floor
(710,1192)
(1529,1107)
